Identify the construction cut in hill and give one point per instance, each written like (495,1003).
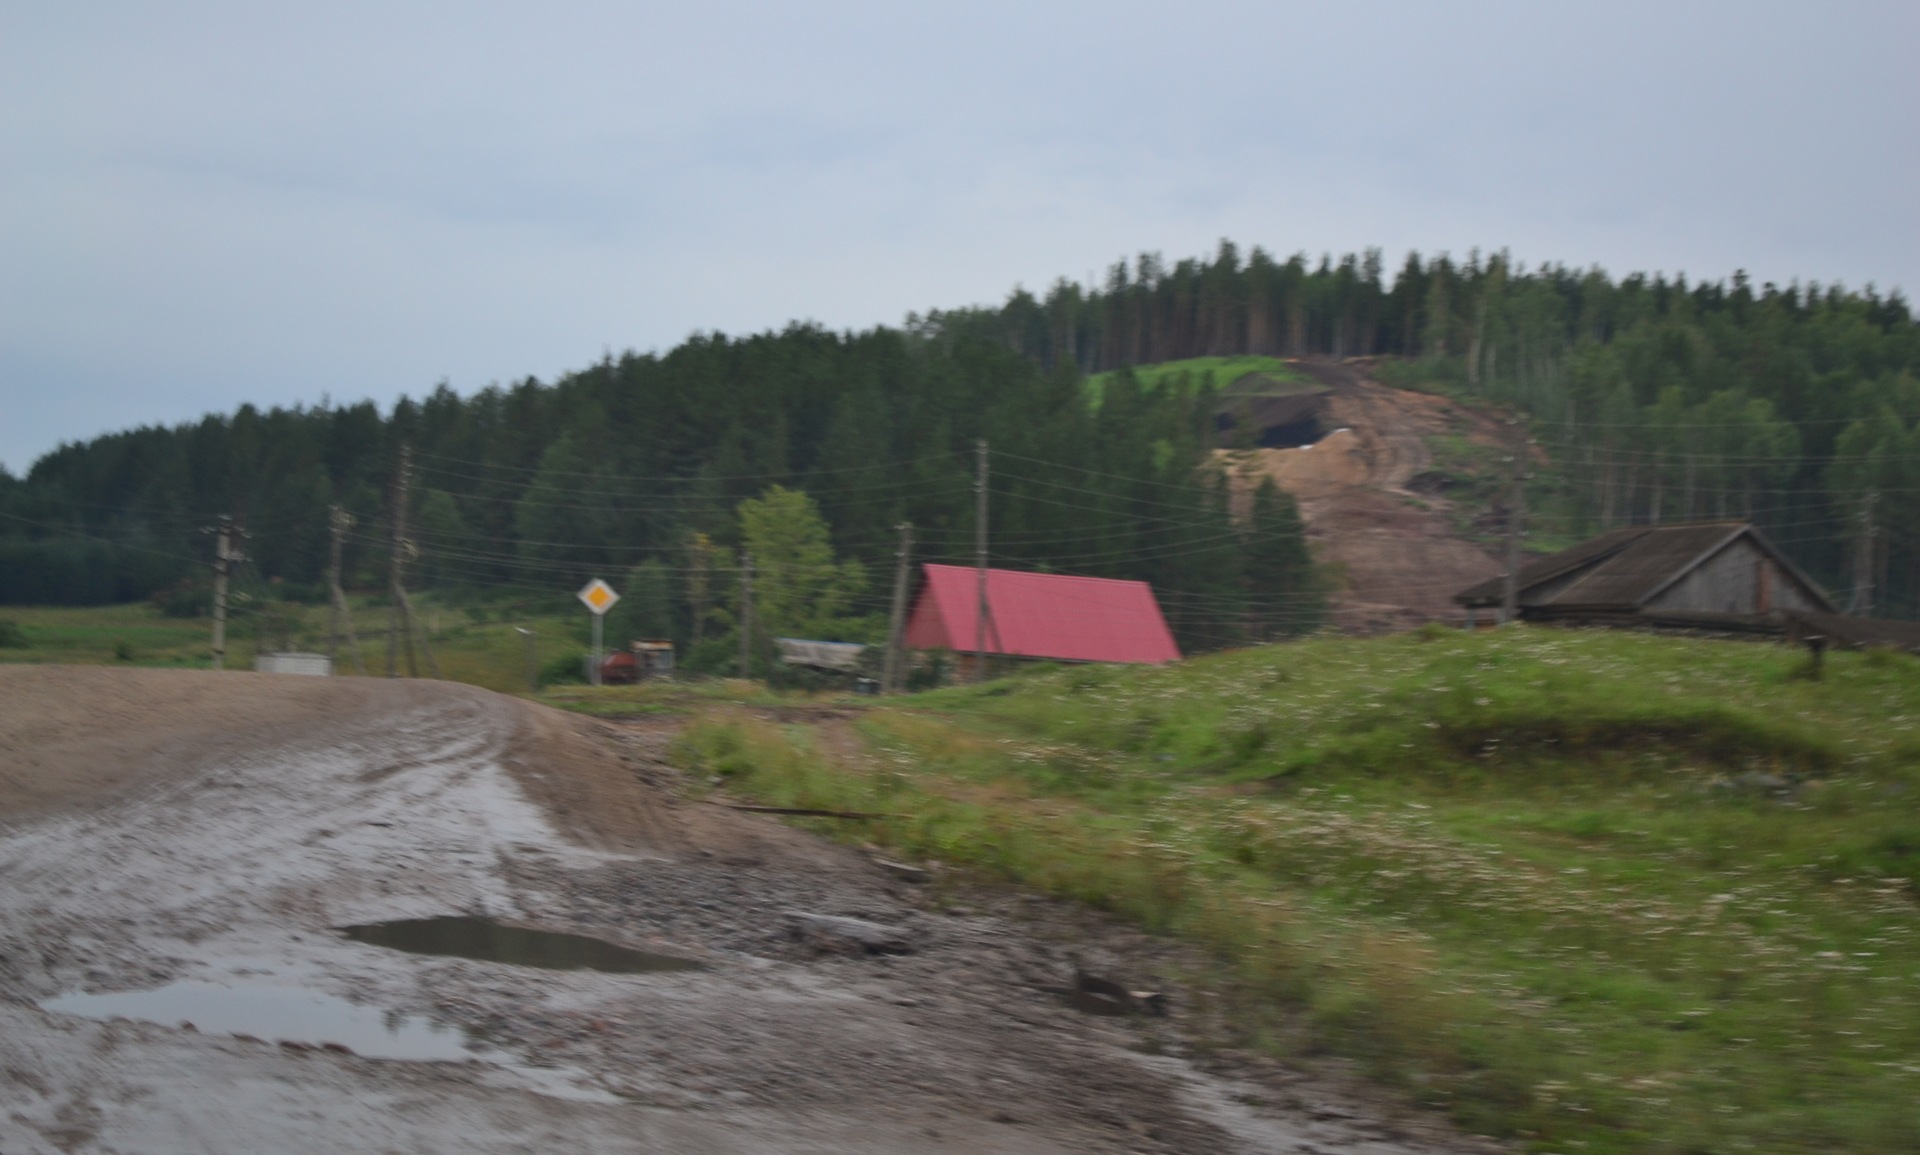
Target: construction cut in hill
(1358,457)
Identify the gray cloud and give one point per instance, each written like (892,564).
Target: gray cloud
(207,203)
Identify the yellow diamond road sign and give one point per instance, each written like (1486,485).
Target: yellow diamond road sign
(598,595)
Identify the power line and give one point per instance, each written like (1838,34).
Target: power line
(66,532)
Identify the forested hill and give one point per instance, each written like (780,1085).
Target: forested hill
(1652,398)
(635,469)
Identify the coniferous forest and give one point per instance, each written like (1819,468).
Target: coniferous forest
(635,469)
(1649,398)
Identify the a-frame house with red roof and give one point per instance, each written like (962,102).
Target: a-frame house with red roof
(1040,615)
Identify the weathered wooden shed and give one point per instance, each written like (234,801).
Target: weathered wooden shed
(1692,575)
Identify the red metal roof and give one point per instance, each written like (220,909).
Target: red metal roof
(1042,615)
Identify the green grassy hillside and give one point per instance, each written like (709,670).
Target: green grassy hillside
(1189,373)
(135,634)
(1597,891)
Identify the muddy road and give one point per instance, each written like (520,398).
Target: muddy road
(180,852)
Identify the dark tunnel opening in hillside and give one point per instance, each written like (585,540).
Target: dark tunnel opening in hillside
(1287,422)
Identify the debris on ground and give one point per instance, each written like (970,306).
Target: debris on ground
(851,935)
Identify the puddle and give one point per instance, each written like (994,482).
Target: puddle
(277,1014)
(311,1019)
(489,941)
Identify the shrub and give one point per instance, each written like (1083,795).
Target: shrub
(186,598)
(565,668)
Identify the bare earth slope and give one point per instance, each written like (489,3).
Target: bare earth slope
(166,827)
(1396,553)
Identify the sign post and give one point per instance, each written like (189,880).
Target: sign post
(533,663)
(598,597)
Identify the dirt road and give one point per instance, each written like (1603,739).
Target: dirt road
(201,837)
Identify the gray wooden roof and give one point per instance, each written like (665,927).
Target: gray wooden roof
(1628,567)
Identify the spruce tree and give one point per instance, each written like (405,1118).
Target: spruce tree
(1283,588)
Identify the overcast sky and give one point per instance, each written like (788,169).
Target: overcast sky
(204,203)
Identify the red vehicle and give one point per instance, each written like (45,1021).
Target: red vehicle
(637,663)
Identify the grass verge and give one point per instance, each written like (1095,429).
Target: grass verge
(1597,892)
(483,649)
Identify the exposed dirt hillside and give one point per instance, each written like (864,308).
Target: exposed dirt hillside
(1392,544)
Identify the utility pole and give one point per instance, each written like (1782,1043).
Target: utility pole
(894,675)
(340,521)
(400,618)
(746,613)
(1863,555)
(414,626)
(220,571)
(984,609)
(224,556)
(396,570)
(699,583)
(1516,514)
(400,615)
